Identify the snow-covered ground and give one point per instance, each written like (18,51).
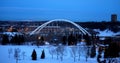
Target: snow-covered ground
(106,32)
(67,58)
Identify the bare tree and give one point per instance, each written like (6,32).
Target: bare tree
(74,52)
(52,51)
(17,54)
(83,51)
(87,52)
(10,52)
(60,51)
(80,51)
(23,54)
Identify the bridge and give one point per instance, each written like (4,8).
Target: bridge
(39,28)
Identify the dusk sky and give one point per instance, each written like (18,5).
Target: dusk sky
(75,10)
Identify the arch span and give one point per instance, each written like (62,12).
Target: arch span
(38,29)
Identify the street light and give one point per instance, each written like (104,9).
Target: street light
(39,38)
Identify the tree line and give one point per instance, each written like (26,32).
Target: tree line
(15,40)
(72,39)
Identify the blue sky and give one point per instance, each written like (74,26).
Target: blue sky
(75,10)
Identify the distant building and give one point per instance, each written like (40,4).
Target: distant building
(113,18)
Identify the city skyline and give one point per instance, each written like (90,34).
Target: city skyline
(77,10)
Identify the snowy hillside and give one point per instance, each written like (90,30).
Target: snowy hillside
(106,32)
(27,50)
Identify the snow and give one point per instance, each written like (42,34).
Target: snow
(67,58)
(118,33)
(12,33)
(106,33)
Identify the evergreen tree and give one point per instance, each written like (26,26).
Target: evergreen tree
(42,40)
(5,39)
(69,39)
(43,55)
(98,58)
(72,40)
(112,51)
(93,52)
(1,29)
(87,39)
(34,55)
(22,39)
(64,39)
(15,39)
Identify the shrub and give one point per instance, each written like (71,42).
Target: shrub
(43,55)
(34,55)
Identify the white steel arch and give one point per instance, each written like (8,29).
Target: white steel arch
(38,29)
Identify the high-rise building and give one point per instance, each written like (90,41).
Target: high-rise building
(113,18)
